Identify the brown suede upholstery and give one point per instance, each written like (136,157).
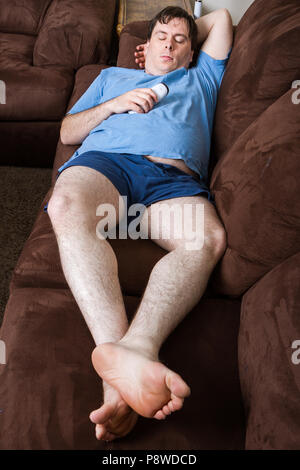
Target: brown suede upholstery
(234,348)
(43,43)
(270,380)
(256,142)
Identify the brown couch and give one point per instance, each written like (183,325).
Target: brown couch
(43,43)
(235,348)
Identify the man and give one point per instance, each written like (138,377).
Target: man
(158,155)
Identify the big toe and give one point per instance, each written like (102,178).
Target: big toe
(103,434)
(177,385)
(102,414)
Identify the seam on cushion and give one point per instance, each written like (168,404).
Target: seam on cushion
(43,16)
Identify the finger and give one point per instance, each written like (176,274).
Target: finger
(150,92)
(142,103)
(145,100)
(140,62)
(135,107)
(146,92)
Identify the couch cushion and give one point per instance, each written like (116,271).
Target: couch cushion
(16,51)
(36,93)
(22,17)
(25,143)
(269,359)
(39,262)
(49,377)
(132,34)
(263,64)
(75,33)
(256,187)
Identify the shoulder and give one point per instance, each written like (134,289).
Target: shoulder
(120,71)
(211,69)
(206,59)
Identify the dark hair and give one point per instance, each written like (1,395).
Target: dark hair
(169,13)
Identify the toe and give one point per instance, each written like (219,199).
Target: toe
(103,434)
(103,413)
(108,436)
(166,409)
(159,415)
(177,385)
(100,431)
(176,403)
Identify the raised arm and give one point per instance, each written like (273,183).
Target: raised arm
(216,32)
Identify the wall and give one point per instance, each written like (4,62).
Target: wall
(236,7)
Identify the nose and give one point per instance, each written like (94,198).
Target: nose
(169,45)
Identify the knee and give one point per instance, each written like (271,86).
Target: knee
(58,206)
(63,209)
(216,241)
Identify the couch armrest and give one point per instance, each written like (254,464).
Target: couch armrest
(83,79)
(270,378)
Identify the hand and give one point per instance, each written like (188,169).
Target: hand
(140,55)
(140,100)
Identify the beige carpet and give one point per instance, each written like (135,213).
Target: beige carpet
(21,193)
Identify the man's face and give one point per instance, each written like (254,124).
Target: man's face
(169,47)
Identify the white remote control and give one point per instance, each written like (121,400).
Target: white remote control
(161,90)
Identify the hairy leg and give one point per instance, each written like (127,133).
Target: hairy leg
(176,284)
(90,268)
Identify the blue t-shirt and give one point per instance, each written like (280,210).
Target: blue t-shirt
(179,126)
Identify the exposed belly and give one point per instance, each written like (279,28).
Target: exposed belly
(172,161)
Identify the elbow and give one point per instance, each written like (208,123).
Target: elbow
(66,135)
(62,138)
(62,134)
(226,15)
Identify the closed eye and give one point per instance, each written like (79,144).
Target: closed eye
(179,40)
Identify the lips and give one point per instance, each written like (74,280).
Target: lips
(166,57)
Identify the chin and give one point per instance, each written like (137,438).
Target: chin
(168,68)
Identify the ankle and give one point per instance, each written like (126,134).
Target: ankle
(143,344)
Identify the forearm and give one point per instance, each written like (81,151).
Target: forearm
(206,22)
(76,127)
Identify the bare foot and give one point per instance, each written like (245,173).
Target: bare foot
(146,385)
(114,419)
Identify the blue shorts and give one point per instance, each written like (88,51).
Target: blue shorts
(140,179)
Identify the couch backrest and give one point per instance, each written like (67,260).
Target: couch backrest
(75,33)
(22,17)
(67,33)
(264,62)
(256,143)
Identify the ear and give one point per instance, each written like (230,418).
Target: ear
(191,56)
(146,48)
